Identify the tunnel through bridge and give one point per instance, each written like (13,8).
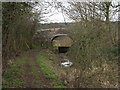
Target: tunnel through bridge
(61,42)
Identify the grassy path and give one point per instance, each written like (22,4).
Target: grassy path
(31,71)
(41,69)
(33,75)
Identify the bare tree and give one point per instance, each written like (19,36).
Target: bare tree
(88,10)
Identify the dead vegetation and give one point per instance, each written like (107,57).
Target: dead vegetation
(95,54)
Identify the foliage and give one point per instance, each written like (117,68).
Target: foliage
(12,77)
(95,49)
(18,28)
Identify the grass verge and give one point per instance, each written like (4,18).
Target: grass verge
(47,66)
(12,77)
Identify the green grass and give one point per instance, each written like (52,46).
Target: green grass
(48,68)
(39,46)
(12,77)
(36,75)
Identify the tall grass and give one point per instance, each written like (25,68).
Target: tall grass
(95,53)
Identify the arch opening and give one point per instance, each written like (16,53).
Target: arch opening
(63,49)
(62,43)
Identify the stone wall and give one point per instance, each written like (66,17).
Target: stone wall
(43,37)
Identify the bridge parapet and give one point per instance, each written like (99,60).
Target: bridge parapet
(48,36)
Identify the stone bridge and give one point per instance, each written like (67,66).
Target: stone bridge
(52,36)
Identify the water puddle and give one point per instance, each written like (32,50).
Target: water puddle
(66,63)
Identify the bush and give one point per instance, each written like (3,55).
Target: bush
(95,53)
(17,29)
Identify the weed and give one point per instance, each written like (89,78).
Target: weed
(48,68)
(95,53)
(12,77)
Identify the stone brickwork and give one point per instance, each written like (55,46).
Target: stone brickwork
(43,37)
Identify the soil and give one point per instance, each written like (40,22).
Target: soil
(37,80)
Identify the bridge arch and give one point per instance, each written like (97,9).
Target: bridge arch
(62,42)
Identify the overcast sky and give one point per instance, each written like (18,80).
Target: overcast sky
(55,16)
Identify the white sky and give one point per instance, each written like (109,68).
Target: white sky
(58,17)
(55,16)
